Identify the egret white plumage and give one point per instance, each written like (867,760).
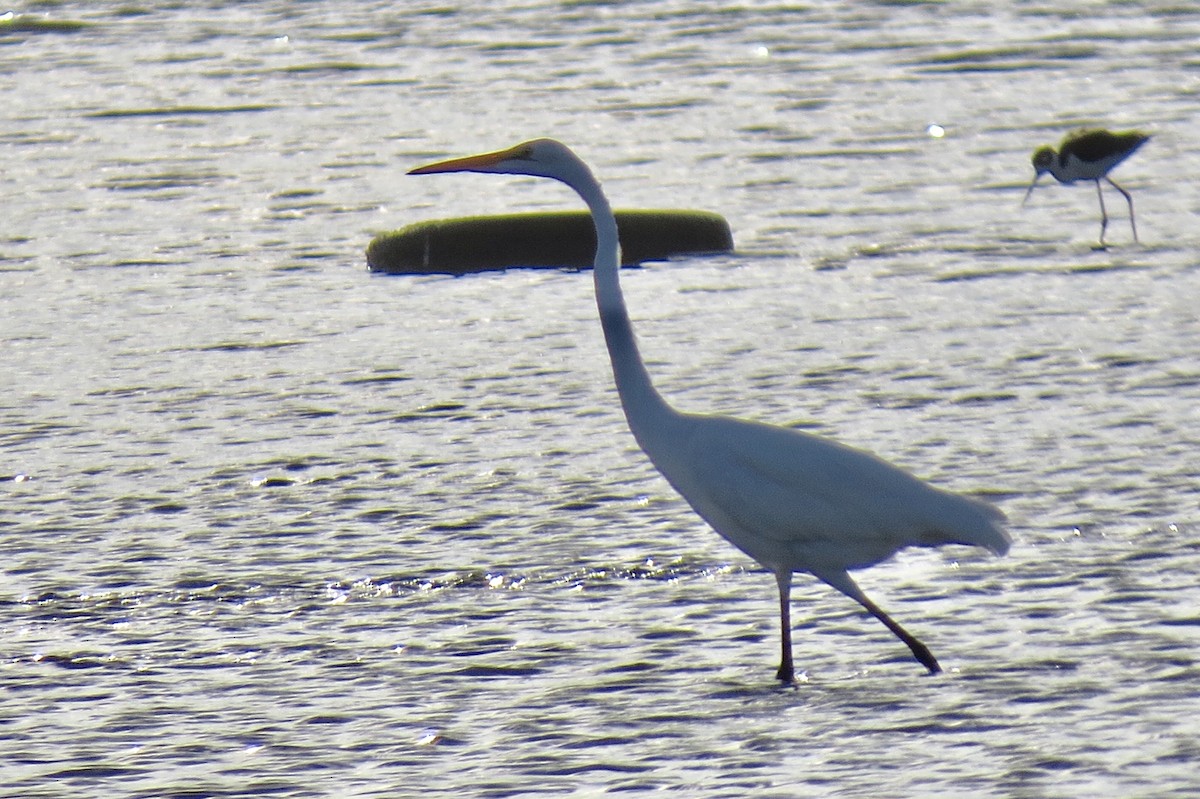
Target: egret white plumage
(791,501)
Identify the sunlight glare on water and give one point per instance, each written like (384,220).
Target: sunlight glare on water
(272,525)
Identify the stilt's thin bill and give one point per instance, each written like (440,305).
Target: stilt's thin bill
(1029,191)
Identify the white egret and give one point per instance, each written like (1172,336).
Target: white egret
(791,501)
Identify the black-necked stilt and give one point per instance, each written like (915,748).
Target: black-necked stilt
(1089,155)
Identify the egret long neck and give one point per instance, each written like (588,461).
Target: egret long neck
(645,410)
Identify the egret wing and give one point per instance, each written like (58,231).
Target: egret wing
(783,496)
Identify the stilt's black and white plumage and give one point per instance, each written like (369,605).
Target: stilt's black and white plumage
(1089,155)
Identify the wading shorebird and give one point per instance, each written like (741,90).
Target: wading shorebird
(792,501)
(1089,155)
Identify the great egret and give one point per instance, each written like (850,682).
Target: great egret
(791,501)
(1089,155)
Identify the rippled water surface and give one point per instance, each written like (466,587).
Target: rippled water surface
(273,526)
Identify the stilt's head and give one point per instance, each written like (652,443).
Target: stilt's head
(1043,159)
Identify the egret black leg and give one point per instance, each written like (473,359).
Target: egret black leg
(919,650)
(843,582)
(787,671)
(1103,213)
(1129,200)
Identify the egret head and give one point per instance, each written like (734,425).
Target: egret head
(545,158)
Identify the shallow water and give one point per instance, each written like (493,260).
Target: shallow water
(272,525)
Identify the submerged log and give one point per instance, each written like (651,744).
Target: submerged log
(557,240)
